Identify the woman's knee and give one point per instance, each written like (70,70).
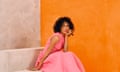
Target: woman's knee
(69,52)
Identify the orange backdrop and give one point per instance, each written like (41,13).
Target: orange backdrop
(96,40)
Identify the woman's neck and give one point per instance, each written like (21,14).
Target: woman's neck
(62,34)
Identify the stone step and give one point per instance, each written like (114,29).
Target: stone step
(28,71)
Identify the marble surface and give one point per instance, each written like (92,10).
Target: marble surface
(3,62)
(18,59)
(28,71)
(19,24)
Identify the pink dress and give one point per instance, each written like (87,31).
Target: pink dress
(59,61)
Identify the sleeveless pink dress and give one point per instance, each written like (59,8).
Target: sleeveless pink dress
(59,61)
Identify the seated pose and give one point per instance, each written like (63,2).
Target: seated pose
(55,57)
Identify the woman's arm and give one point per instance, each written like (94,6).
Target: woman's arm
(66,43)
(66,40)
(53,41)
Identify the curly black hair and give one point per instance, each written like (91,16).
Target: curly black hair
(60,21)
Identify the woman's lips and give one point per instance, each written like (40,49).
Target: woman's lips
(66,30)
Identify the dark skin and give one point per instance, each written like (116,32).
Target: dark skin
(66,32)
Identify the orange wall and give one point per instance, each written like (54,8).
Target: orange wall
(96,40)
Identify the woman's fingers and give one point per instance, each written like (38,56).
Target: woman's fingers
(34,69)
(69,33)
(38,66)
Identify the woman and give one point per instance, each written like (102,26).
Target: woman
(55,57)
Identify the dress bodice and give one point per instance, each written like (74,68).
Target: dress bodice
(58,46)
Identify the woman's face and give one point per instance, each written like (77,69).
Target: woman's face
(65,28)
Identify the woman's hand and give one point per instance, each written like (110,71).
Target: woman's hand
(36,68)
(39,65)
(69,33)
